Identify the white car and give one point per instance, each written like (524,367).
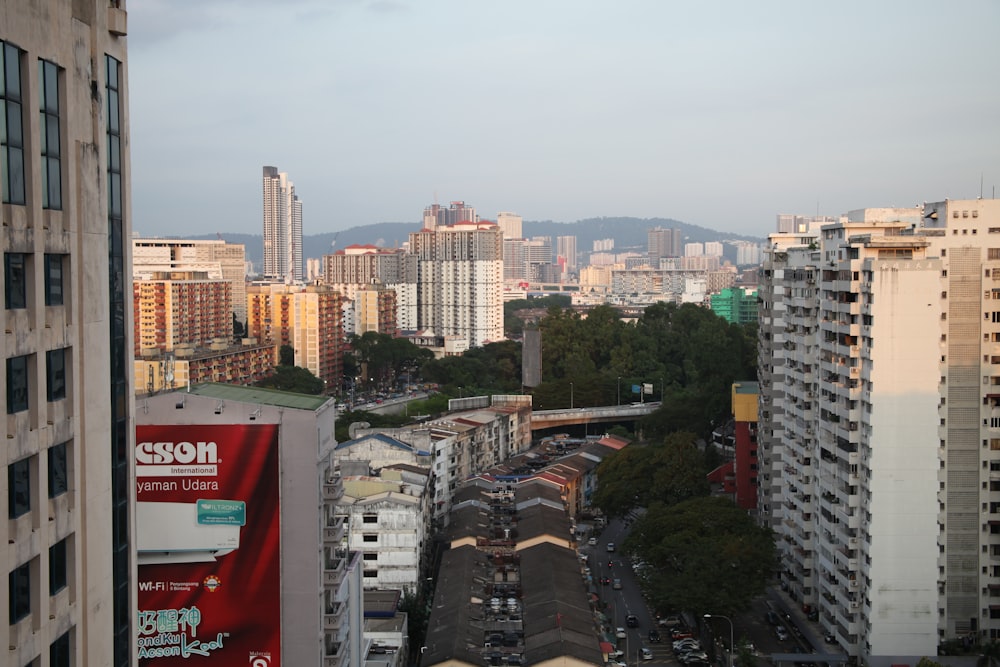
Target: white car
(592,542)
(647,654)
(620,633)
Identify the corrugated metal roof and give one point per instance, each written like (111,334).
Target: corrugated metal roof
(285,399)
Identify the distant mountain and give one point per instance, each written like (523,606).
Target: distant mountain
(628,233)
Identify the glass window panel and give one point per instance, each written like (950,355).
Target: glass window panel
(53,280)
(114,153)
(14,137)
(51,88)
(20,593)
(52,136)
(15,274)
(18,488)
(57,567)
(115,186)
(113,111)
(58,470)
(59,652)
(12,60)
(15,164)
(17,384)
(54,184)
(55,364)
(3,123)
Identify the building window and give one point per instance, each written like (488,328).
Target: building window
(59,652)
(48,130)
(58,470)
(370,556)
(369,538)
(20,593)
(369,518)
(55,374)
(57,567)
(19,488)
(53,280)
(17,384)
(15,272)
(370,574)
(11,125)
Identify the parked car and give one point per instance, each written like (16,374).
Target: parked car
(669,621)
(692,657)
(772,618)
(683,645)
(680,633)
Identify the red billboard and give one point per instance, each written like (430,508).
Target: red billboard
(208,541)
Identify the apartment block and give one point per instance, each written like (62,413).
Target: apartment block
(68,557)
(180,308)
(460,281)
(221,260)
(878,437)
(309,318)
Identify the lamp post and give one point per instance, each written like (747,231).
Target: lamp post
(619,390)
(570,395)
(732,647)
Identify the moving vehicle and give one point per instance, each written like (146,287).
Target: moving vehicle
(632,621)
(654,636)
(647,654)
(620,633)
(781,633)
(592,542)
(617,585)
(610,546)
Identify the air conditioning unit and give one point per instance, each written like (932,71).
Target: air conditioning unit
(181,533)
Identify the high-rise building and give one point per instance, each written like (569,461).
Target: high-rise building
(800,224)
(515,259)
(879,443)
(308,318)
(282,228)
(174,308)
(662,243)
(696,249)
(220,259)
(460,281)
(566,248)
(509,224)
(437,216)
(69,559)
(735,304)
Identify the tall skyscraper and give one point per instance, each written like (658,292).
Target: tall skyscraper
(460,281)
(65,172)
(566,248)
(282,228)
(879,435)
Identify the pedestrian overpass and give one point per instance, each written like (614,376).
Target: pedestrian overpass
(545,419)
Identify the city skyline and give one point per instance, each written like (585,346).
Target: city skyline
(719,115)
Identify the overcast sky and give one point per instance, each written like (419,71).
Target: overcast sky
(720,114)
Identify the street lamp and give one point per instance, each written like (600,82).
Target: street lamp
(570,395)
(732,646)
(619,390)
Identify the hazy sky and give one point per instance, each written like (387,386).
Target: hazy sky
(720,114)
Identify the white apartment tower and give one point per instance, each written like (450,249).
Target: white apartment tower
(282,228)
(460,281)
(880,440)
(68,558)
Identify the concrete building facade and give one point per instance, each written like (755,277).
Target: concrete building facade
(282,228)
(460,281)
(221,260)
(886,460)
(69,562)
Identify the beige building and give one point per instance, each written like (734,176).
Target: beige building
(180,308)
(220,260)
(69,564)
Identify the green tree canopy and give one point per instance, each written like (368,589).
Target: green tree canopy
(704,553)
(293,378)
(638,476)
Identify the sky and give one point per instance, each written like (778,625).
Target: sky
(716,113)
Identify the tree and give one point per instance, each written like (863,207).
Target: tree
(286,355)
(638,476)
(293,378)
(702,553)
